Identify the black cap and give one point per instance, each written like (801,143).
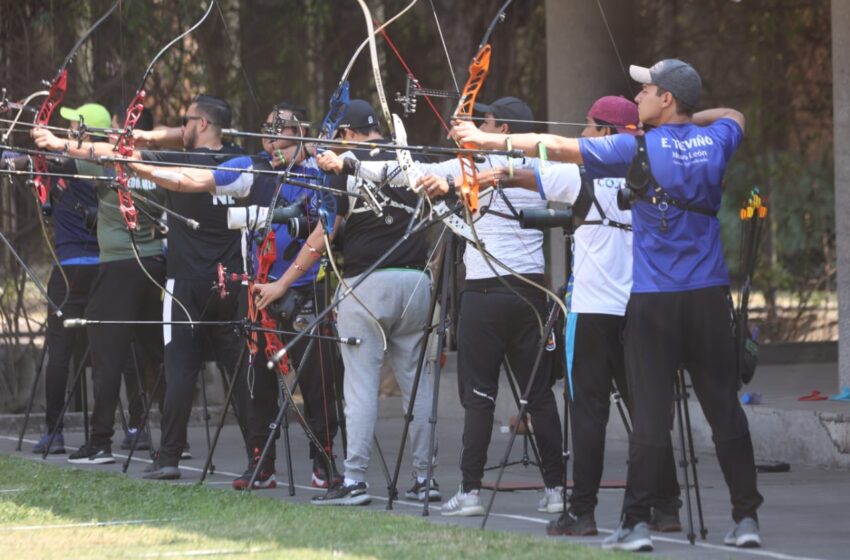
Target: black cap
(509,108)
(358,116)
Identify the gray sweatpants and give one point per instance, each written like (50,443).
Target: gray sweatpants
(399,300)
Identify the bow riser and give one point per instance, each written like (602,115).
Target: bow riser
(266,257)
(125,146)
(337,106)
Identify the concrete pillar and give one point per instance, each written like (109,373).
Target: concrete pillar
(841,140)
(581,66)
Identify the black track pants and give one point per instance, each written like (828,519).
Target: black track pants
(595,342)
(495,325)
(692,329)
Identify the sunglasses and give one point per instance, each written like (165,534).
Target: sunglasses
(186,119)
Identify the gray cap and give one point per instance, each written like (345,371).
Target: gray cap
(677,77)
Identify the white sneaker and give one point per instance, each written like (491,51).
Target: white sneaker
(744,534)
(636,539)
(464,504)
(552,500)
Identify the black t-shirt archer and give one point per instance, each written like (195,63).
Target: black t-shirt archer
(368,237)
(195,254)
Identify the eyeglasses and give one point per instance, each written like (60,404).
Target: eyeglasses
(186,119)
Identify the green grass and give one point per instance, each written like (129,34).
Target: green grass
(183,519)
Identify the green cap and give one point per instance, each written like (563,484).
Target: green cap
(94,115)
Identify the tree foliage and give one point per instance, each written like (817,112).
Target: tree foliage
(770,58)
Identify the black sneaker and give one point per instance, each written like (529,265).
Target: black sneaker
(665,521)
(319,478)
(265,478)
(417,491)
(342,495)
(570,524)
(142,437)
(90,454)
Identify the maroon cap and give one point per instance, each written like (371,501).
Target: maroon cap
(618,111)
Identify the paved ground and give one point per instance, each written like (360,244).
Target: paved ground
(806,512)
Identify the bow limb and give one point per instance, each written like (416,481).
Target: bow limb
(376,70)
(53,97)
(340,98)
(125,146)
(126,143)
(55,94)
(479,68)
(338,103)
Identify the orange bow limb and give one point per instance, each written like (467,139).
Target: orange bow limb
(478,69)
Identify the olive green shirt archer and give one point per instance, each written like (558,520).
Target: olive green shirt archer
(112,234)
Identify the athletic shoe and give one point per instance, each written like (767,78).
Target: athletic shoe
(634,539)
(156,472)
(744,534)
(186,453)
(319,477)
(57,448)
(573,525)
(90,454)
(417,491)
(815,395)
(265,478)
(464,504)
(143,439)
(342,495)
(552,500)
(843,395)
(665,521)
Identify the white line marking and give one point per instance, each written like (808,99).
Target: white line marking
(211,552)
(11,490)
(90,524)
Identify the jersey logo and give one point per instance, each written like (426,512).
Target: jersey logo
(615,183)
(140,184)
(223,200)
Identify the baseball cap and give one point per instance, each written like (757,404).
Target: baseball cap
(93,115)
(677,77)
(358,115)
(509,108)
(618,111)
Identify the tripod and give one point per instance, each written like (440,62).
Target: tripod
(554,314)
(688,455)
(527,439)
(149,404)
(285,402)
(145,422)
(79,380)
(42,361)
(40,369)
(441,292)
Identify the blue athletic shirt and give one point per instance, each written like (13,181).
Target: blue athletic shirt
(76,244)
(261,188)
(688,161)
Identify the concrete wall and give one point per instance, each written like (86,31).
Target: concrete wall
(841,122)
(581,66)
